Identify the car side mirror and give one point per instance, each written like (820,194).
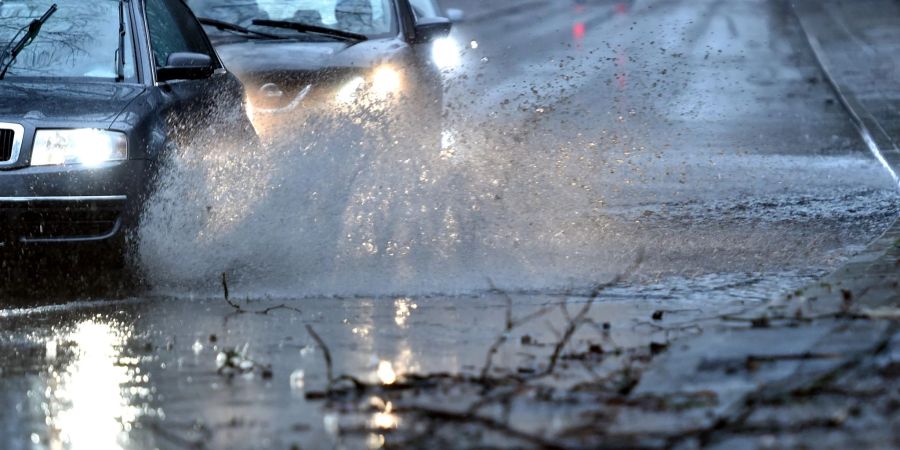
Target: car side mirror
(430,28)
(186,66)
(456,15)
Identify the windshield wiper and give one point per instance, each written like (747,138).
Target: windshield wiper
(120,53)
(33,29)
(228,26)
(306,28)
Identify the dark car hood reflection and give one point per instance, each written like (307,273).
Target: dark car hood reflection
(248,58)
(66,102)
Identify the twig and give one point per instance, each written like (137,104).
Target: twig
(572,327)
(325,352)
(511,324)
(767,393)
(807,356)
(489,359)
(579,318)
(567,336)
(564,307)
(238,309)
(668,331)
(517,384)
(275,308)
(228,297)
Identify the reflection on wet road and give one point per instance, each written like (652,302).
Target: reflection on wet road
(82,392)
(143,374)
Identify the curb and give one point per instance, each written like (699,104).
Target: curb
(869,282)
(866,287)
(865,280)
(860,116)
(805,338)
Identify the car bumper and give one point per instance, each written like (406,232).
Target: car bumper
(70,204)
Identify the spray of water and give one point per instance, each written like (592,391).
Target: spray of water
(529,189)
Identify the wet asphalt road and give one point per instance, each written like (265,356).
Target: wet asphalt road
(697,133)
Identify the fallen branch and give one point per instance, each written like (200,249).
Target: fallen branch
(240,310)
(228,297)
(580,318)
(329,369)
(807,356)
(511,324)
(737,420)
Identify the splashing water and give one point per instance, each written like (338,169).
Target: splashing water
(341,212)
(526,190)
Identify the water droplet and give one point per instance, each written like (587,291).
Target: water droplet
(51,350)
(298,379)
(375,441)
(386,372)
(330,422)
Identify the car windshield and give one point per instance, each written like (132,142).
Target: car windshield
(80,40)
(368,17)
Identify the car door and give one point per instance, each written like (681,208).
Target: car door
(209,108)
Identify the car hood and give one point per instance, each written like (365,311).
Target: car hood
(61,103)
(250,58)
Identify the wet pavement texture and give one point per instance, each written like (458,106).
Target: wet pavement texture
(149,364)
(860,43)
(698,138)
(845,51)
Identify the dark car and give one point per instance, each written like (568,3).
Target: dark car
(93,95)
(300,56)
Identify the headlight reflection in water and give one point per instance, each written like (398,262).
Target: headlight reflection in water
(90,404)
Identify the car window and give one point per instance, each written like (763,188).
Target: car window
(80,40)
(173,29)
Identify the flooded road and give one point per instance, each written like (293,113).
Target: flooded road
(696,137)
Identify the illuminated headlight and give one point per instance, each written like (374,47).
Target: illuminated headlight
(349,92)
(445,53)
(81,146)
(386,81)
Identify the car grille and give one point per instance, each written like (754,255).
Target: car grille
(71,224)
(49,221)
(10,142)
(7,137)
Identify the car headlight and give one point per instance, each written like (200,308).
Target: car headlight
(80,146)
(384,81)
(445,53)
(349,92)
